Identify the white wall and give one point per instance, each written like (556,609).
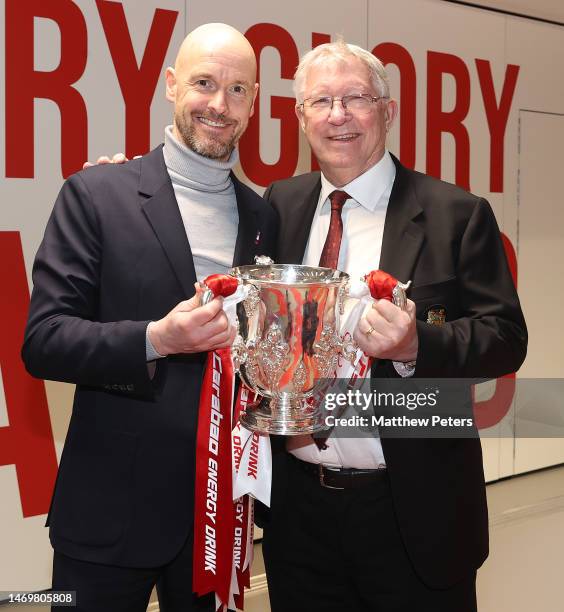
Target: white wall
(542,9)
(422,28)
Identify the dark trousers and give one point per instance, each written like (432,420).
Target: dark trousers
(107,588)
(341,551)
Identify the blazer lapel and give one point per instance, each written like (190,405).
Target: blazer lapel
(160,206)
(294,233)
(403,236)
(248,226)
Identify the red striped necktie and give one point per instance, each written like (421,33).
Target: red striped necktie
(330,254)
(330,259)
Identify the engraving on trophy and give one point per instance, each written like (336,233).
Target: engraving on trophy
(274,354)
(252,301)
(252,367)
(348,349)
(343,292)
(238,352)
(399,297)
(300,377)
(327,351)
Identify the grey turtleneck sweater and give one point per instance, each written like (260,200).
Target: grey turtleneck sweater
(206,199)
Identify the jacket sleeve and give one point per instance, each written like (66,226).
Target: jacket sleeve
(64,337)
(490,338)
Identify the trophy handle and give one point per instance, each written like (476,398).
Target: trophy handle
(342,296)
(239,352)
(399,296)
(349,348)
(207,295)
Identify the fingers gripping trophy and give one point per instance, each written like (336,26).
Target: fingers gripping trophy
(292,334)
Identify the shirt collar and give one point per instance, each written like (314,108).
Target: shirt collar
(368,188)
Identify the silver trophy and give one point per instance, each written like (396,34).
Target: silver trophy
(287,342)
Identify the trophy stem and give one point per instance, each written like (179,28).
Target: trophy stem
(283,415)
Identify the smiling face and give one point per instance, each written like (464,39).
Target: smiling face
(345,143)
(213,89)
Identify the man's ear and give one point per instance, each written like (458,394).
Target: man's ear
(170,76)
(391,113)
(300,115)
(252,111)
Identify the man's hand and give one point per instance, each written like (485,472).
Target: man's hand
(393,335)
(190,328)
(118,158)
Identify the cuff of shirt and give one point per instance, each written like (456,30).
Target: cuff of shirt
(405,370)
(150,350)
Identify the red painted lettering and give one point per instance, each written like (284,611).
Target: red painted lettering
(253,458)
(24,84)
(260,36)
(27,442)
(137,83)
(392,53)
(439,121)
(511,257)
(497,116)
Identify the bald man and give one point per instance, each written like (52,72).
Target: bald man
(113,312)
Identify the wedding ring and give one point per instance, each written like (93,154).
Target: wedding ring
(369,331)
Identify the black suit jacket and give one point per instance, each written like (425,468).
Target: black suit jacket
(448,243)
(115,256)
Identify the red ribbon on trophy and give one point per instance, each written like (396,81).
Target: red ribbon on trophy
(213,502)
(223,527)
(243,511)
(381,285)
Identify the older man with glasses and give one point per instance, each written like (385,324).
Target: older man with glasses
(369,523)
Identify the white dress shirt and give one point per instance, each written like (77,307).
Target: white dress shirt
(363,217)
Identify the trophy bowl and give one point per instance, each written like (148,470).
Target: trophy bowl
(287,341)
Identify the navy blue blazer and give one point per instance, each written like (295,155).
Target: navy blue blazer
(115,256)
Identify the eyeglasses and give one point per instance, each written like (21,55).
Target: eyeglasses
(359,103)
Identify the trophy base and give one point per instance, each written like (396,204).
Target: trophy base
(284,417)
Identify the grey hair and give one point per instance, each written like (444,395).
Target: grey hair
(340,51)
